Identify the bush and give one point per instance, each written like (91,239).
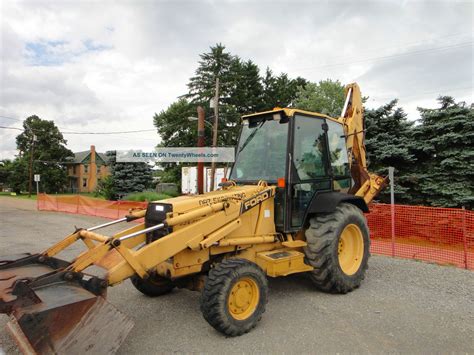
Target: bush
(105,187)
(145,196)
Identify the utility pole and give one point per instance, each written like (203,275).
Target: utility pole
(200,143)
(30,185)
(214,135)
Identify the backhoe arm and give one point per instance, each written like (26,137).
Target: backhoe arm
(367,185)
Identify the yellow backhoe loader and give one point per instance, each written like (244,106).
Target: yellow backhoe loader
(294,203)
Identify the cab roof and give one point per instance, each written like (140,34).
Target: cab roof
(290,112)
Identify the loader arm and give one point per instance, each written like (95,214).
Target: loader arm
(367,185)
(50,301)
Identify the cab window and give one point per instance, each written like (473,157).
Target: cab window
(337,149)
(310,148)
(338,156)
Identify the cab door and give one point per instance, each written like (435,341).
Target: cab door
(310,169)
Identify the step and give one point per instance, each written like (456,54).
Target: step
(282,262)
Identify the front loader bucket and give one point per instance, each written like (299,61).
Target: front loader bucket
(53,311)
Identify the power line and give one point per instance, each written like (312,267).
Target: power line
(10,118)
(19,129)
(116,132)
(439,92)
(72,132)
(458,45)
(78,132)
(405,45)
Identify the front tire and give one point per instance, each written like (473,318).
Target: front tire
(234,296)
(154,286)
(338,248)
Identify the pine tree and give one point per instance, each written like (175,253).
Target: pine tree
(215,64)
(128,177)
(246,90)
(389,142)
(245,96)
(240,90)
(445,152)
(280,91)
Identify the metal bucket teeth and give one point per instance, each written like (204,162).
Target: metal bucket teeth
(54,312)
(70,320)
(13,270)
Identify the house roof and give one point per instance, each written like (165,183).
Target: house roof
(79,157)
(104,157)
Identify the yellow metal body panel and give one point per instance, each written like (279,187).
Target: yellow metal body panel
(237,221)
(282,262)
(367,185)
(294,244)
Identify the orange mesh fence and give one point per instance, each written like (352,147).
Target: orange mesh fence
(87,205)
(441,235)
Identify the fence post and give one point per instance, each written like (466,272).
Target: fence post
(464,238)
(392,205)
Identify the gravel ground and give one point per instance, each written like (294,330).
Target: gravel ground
(402,307)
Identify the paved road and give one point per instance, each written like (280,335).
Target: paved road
(403,306)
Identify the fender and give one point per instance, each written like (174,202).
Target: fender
(327,201)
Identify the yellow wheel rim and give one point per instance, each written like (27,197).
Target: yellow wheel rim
(243,298)
(351,249)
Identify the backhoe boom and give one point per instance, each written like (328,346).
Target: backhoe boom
(367,185)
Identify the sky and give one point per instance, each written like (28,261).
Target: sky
(107,66)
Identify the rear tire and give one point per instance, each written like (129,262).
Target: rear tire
(154,286)
(338,248)
(234,296)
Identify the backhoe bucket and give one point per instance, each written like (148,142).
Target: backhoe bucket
(54,311)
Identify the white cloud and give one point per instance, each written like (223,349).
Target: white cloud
(108,66)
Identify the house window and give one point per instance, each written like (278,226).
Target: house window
(98,169)
(73,170)
(84,182)
(86,168)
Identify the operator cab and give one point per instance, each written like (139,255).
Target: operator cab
(304,153)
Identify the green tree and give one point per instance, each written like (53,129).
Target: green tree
(174,127)
(6,169)
(48,145)
(390,142)
(240,90)
(326,96)
(246,89)
(127,177)
(215,64)
(280,91)
(245,96)
(18,177)
(444,150)
(176,130)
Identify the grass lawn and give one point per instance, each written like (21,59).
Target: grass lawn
(33,196)
(146,196)
(137,196)
(23,196)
